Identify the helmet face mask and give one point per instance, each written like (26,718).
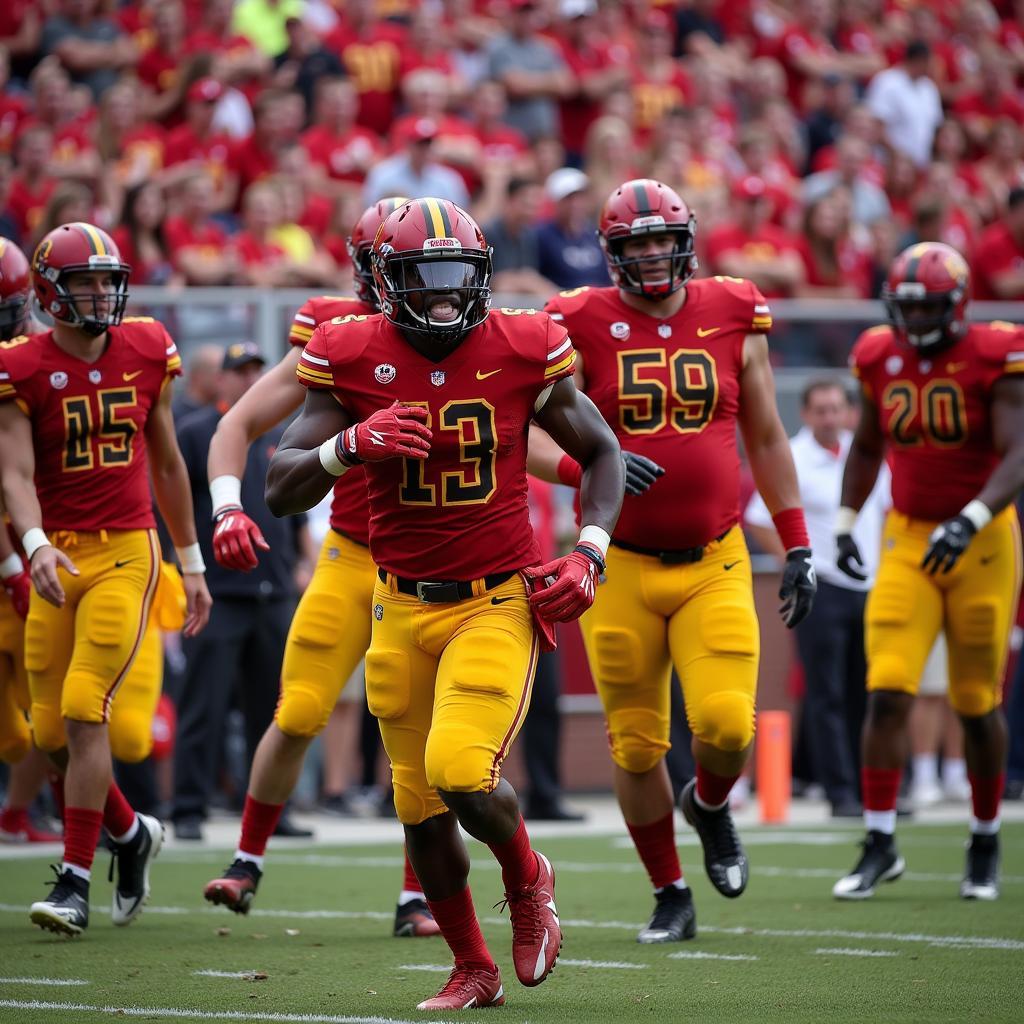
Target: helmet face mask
(926,296)
(91,310)
(13,316)
(434,287)
(640,209)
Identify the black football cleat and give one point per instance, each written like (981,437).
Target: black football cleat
(66,910)
(134,860)
(879,862)
(674,917)
(413,919)
(236,888)
(724,858)
(981,878)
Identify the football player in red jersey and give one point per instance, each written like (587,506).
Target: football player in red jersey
(318,657)
(946,398)
(83,408)
(435,397)
(675,365)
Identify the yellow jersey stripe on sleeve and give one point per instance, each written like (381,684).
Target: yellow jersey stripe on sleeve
(1014,367)
(554,371)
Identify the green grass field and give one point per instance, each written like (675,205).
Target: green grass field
(785,951)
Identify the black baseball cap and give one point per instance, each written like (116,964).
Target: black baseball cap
(241,354)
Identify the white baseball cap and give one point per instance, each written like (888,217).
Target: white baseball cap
(566,181)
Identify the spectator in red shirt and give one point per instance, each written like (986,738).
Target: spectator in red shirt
(1002,166)
(197,145)
(239,63)
(936,218)
(160,64)
(345,211)
(265,264)
(835,267)
(498,141)
(13,109)
(69,201)
(198,244)
(274,127)
(659,82)
(21,25)
(371,51)
(999,261)
(343,150)
(599,68)
(53,104)
(132,150)
(428,47)
(762,158)
(305,203)
(9,227)
(994,99)
(751,246)
(32,180)
(610,155)
(141,237)
(305,62)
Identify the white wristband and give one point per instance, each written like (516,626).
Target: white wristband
(596,536)
(11,565)
(191,559)
(329,457)
(33,540)
(846,517)
(978,512)
(224,491)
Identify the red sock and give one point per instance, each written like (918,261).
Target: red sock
(118,815)
(519,866)
(258,823)
(14,819)
(81,834)
(456,918)
(410,883)
(656,844)
(713,789)
(881,787)
(986,792)
(57,788)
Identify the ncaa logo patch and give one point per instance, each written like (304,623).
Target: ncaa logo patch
(378,612)
(665,330)
(95,376)
(385,373)
(59,380)
(437,378)
(619,330)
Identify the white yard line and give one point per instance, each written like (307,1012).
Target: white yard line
(43,981)
(685,954)
(431,968)
(832,951)
(612,965)
(209,972)
(177,1013)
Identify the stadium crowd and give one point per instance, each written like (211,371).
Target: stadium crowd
(236,142)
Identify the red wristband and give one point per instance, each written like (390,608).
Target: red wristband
(791,527)
(570,472)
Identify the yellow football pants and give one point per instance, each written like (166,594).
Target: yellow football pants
(328,636)
(975,603)
(450,685)
(700,618)
(78,656)
(15,734)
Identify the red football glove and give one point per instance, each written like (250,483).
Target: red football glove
(19,590)
(399,431)
(571,584)
(235,539)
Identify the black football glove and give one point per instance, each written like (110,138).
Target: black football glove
(947,543)
(641,472)
(849,559)
(799,585)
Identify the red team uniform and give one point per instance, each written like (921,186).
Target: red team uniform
(679,587)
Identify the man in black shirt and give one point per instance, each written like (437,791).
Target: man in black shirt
(239,656)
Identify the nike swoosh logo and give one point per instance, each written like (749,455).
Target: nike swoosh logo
(538,969)
(955,367)
(130,376)
(502,600)
(123,563)
(490,373)
(728,565)
(702,333)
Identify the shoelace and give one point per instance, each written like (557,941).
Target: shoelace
(522,912)
(459,981)
(61,887)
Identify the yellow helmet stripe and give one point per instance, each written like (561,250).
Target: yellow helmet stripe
(95,239)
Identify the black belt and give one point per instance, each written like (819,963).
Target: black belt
(681,556)
(442,591)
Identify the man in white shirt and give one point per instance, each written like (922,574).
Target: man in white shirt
(907,102)
(830,641)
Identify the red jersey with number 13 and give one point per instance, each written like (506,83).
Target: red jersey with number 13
(670,389)
(88,422)
(934,411)
(350,507)
(461,513)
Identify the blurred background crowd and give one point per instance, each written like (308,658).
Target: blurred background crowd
(231,143)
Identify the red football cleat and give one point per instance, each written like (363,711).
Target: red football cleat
(237,888)
(536,933)
(25,832)
(467,987)
(414,920)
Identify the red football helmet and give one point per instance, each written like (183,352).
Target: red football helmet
(73,249)
(360,242)
(14,290)
(647,207)
(432,269)
(926,295)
